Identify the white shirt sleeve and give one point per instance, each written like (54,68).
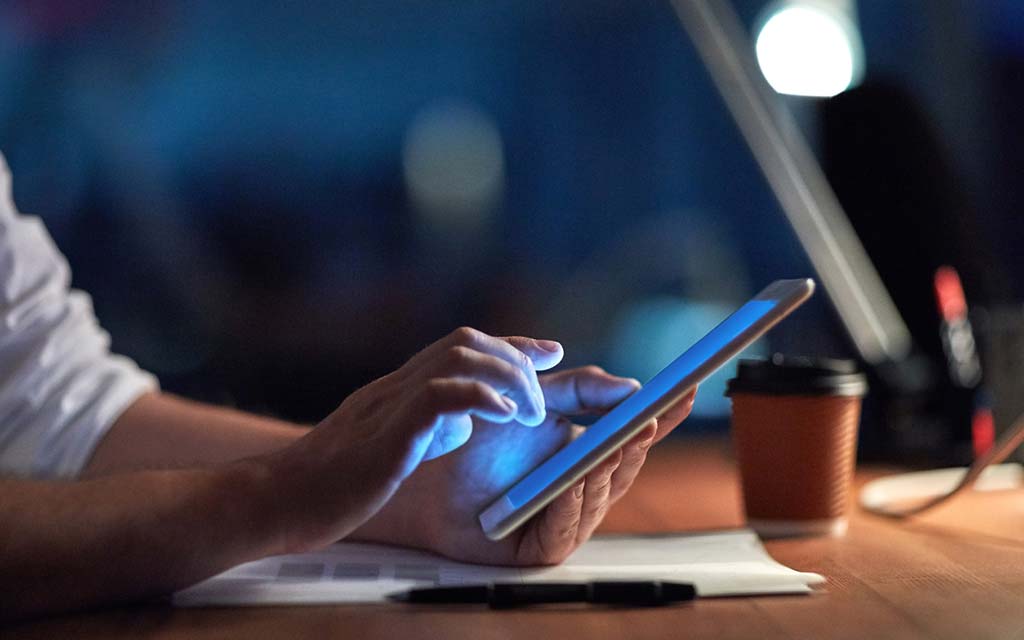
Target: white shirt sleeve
(60,387)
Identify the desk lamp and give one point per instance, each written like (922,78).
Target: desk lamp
(853,285)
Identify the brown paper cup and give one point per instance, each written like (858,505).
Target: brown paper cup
(794,428)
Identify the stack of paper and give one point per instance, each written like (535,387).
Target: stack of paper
(728,563)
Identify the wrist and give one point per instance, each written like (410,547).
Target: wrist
(405,520)
(263,510)
(292,504)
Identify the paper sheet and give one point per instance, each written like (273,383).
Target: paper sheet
(725,563)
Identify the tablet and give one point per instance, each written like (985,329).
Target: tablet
(563,469)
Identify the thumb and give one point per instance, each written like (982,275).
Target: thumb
(585,390)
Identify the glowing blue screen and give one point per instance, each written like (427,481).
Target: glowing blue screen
(705,348)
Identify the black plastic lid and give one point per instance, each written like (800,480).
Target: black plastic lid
(798,375)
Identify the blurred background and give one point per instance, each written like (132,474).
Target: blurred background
(274,203)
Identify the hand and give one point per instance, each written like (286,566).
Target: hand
(333,479)
(436,508)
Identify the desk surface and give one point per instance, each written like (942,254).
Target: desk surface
(956,573)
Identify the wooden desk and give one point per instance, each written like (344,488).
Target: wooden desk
(957,573)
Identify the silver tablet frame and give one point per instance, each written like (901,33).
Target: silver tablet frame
(502,518)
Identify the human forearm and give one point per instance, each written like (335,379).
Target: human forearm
(161,431)
(127,535)
(69,545)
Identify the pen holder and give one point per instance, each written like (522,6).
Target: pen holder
(794,427)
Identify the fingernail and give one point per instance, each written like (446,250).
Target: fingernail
(578,490)
(510,405)
(549,345)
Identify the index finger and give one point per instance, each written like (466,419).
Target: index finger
(526,354)
(543,354)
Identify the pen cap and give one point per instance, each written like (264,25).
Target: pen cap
(648,594)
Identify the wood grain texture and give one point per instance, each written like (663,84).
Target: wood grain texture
(956,573)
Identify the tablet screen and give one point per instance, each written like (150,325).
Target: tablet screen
(704,350)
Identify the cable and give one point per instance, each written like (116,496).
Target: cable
(879,496)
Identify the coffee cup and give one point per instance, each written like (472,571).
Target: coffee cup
(794,428)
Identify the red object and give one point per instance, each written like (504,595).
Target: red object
(950,294)
(983,431)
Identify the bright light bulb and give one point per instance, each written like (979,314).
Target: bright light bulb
(805,50)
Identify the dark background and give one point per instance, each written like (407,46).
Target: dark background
(240,185)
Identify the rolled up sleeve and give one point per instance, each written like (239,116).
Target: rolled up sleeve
(60,387)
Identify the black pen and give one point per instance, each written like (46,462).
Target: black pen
(650,593)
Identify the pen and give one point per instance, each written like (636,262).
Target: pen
(649,593)
(962,356)
(955,329)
